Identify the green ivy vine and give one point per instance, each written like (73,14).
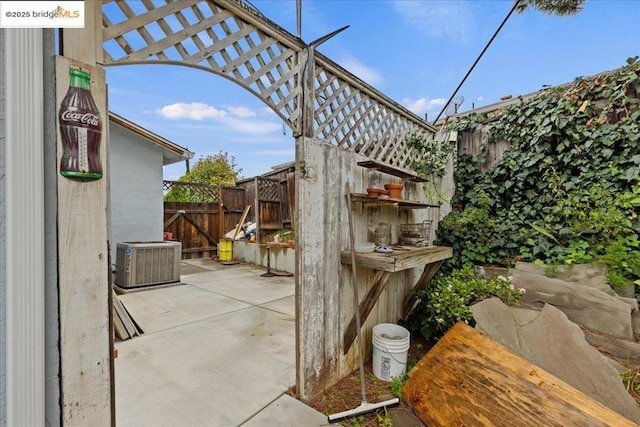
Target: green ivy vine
(568,188)
(431,161)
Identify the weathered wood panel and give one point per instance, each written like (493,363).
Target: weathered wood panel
(473,143)
(234,201)
(316,315)
(325,297)
(83,270)
(469,379)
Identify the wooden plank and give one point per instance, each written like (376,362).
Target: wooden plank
(399,260)
(319,208)
(467,379)
(427,274)
(392,170)
(291,189)
(200,229)
(83,270)
(171,220)
(200,249)
(221,230)
(244,216)
(366,305)
(124,318)
(402,203)
(118,326)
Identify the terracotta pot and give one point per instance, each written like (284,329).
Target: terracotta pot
(383,194)
(395,190)
(373,192)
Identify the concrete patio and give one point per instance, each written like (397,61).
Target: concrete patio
(218,350)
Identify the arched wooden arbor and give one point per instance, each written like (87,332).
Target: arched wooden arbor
(232,40)
(334,107)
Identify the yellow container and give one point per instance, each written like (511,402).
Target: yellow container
(225,250)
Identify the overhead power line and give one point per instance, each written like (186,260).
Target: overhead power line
(478,59)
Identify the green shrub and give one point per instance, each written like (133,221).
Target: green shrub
(566,191)
(448,298)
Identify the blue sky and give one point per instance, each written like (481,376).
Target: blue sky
(415,51)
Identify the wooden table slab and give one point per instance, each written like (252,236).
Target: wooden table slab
(429,257)
(468,379)
(399,260)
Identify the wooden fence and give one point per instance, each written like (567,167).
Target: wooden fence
(199,226)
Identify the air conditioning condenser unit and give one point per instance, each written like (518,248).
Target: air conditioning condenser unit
(140,264)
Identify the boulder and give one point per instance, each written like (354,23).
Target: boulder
(626,351)
(635,321)
(583,305)
(549,340)
(592,275)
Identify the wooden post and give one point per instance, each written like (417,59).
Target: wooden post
(257,212)
(220,214)
(83,269)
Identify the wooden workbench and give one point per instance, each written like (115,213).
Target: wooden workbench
(429,257)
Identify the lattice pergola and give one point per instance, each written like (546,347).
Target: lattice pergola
(235,41)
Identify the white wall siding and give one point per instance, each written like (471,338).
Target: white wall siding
(51,310)
(136,188)
(23,61)
(3,250)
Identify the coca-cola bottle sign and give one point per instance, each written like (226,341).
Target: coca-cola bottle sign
(81,130)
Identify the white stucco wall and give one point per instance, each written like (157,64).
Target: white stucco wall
(136,188)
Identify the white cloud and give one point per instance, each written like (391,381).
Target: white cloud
(241,112)
(424,105)
(193,111)
(480,98)
(237,119)
(441,19)
(267,111)
(252,126)
(363,72)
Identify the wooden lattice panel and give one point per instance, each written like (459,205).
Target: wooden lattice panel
(204,35)
(210,192)
(352,115)
(231,39)
(268,189)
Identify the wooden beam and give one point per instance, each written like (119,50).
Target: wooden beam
(244,216)
(380,280)
(427,274)
(83,270)
(172,219)
(200,229)
(201,249)
(467,379)
(399,260)
(221,231)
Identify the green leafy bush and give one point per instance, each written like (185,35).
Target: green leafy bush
(566,191)
(448,297)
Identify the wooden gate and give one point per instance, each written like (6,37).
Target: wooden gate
(200,226)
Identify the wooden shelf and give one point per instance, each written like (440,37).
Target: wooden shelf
(399,260)
(392,170)
(400,203)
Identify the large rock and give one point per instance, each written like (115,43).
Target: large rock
(592,275)
(627,351)
(549,340)
(583,305)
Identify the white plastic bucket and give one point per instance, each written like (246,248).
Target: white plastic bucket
(390,348)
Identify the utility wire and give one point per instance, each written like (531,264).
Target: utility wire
(478,59)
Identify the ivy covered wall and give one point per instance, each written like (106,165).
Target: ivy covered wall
(567,189)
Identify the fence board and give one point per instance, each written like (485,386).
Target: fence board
(198,225)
